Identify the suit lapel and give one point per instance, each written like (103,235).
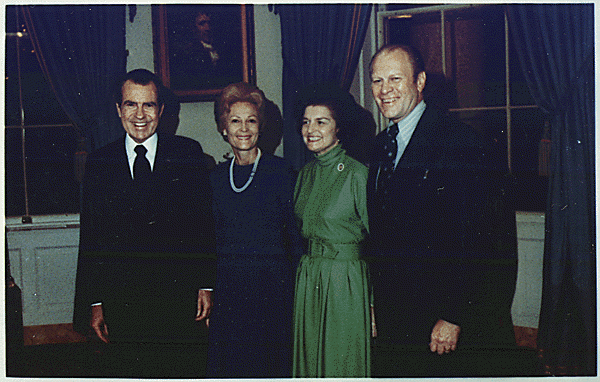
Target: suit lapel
(123,172)
(422,149)
(161,159)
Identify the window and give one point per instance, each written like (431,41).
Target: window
(473,71)
(40,141)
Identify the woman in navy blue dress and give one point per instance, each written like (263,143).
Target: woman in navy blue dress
(258,246)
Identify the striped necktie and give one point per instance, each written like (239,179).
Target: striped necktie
(390,148)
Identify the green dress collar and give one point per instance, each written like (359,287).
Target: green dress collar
(331,157)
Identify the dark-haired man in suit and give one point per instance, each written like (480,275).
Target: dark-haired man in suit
(145,268)
(443,281)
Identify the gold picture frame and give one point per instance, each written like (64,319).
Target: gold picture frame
(199,49)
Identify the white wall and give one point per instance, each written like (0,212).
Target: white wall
(196,118)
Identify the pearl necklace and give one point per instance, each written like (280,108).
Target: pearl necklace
(233,187)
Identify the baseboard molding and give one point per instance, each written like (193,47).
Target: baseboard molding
(526,337)
(51,334)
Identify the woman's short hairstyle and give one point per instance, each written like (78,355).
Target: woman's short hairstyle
(238,92)
(356,126)
(326,94)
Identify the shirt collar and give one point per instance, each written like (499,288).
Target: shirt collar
(407,126)
(150,144)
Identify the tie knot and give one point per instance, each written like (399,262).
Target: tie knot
(140,150)
(393,130)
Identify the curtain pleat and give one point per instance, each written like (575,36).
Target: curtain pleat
(320,43)
(81,50)
(555,45)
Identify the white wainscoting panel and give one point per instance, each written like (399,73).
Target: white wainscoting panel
(528,296)
(43,262)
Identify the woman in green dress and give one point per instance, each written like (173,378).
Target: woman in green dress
(332,320)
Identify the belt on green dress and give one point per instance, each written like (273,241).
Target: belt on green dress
(339,251)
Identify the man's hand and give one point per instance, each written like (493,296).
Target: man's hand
(444,337)
(97,323)
(204,305)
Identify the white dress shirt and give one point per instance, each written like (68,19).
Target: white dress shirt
(406,128)
(150,145)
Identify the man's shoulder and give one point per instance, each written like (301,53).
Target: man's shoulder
(449,128)
(178,142)
(460,144)
(108,151)
(434,117)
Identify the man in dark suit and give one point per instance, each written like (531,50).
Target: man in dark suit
(145,264)
(443,249)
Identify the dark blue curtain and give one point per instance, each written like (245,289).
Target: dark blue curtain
(81,50)
(555,45)
(320,43)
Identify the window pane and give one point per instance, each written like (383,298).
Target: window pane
(475,55)
(519,91)
(422,30)
(11,19)
(14,189)
(51,184)
(52,188)
(39,102)
(527,132)
(11,91)
(50,170)
(491,126)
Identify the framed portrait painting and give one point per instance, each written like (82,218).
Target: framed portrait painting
(199,49)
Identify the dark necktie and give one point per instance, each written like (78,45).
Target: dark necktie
(141,166)
(390,149)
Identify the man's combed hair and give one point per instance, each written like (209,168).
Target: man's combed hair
(140,77)
(414,56)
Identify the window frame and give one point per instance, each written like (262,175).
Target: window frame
(27,218)
(382,16)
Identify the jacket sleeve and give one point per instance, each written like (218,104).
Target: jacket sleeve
(89,279)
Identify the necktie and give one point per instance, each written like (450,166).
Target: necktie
(141,166)
(390,148)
